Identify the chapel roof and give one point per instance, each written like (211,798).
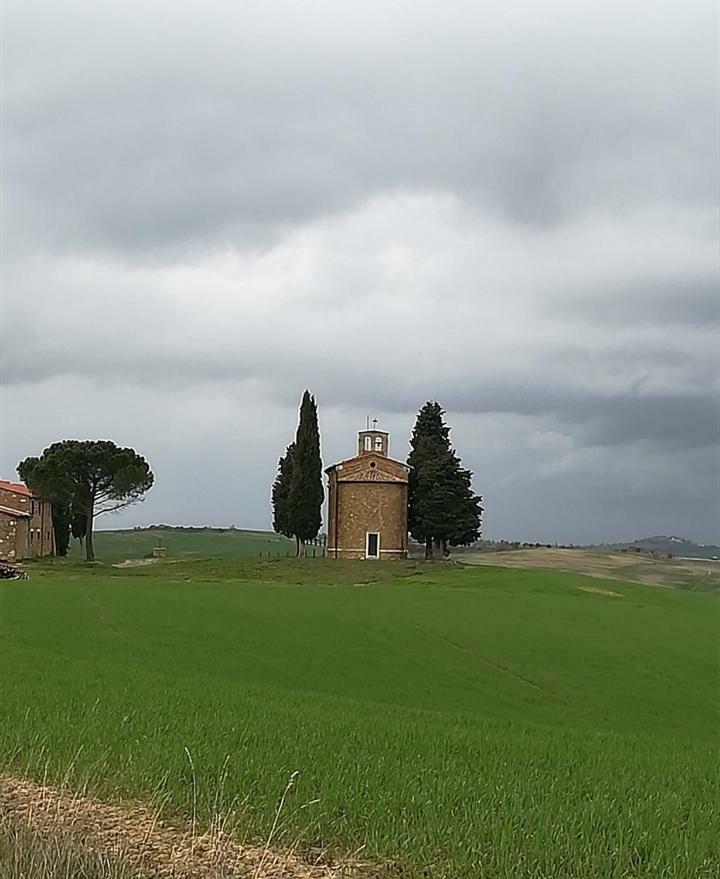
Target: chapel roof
(369,468)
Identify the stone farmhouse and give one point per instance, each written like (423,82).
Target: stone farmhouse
(367,502)
(25,523)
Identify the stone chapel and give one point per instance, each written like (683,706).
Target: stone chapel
(368,502)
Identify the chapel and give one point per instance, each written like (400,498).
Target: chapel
(368,502)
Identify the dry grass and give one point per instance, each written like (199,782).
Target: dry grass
(24,855)
(48,832)
(675,573)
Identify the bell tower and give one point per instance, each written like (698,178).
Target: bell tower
(372,441)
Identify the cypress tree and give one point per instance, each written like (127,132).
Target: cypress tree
(429,466)
(78,523)
(282,522)
(61,527)
(443,510)
(306,488)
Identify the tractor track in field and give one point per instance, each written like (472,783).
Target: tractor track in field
(473,654)
(96,608)
(134,835)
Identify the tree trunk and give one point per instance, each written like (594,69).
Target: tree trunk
(446,549)
(428,549)
(437,549)
(89,548)
(297,547)
(302,552)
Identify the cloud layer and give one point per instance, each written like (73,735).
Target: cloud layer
(513,211)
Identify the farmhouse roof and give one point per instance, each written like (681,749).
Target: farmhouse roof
(15,487)
(8,511)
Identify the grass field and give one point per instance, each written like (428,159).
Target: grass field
(116,546)
(477,722)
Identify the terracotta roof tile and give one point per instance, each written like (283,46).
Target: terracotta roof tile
(15,487)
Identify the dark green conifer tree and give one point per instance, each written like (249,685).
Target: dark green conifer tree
(464,521)
(61,527)
(60,509)
(443,510)
(78,524)
(306,488)
(282,522)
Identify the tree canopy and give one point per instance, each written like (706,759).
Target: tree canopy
(443,509)
(282,521)
(306,489)
(90,477)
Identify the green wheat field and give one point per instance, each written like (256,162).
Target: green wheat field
(443,721)
(116,546)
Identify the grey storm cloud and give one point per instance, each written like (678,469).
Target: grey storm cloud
(511,208)
(130,129)
(681,300)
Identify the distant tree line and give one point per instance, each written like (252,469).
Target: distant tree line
(190,529)
(505,545)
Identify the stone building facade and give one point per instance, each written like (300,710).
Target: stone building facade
(25,523)
(367,502)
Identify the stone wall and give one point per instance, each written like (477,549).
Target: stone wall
(15,500)
(13,537)
(356,508)
(37,538)
(41,537)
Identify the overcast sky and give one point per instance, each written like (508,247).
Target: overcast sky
(511,208)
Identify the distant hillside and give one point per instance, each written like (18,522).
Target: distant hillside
(663,545)
(187,542)
(219,529)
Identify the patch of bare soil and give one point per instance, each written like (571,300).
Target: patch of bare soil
(607,565)
(138,838)
(136,563)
